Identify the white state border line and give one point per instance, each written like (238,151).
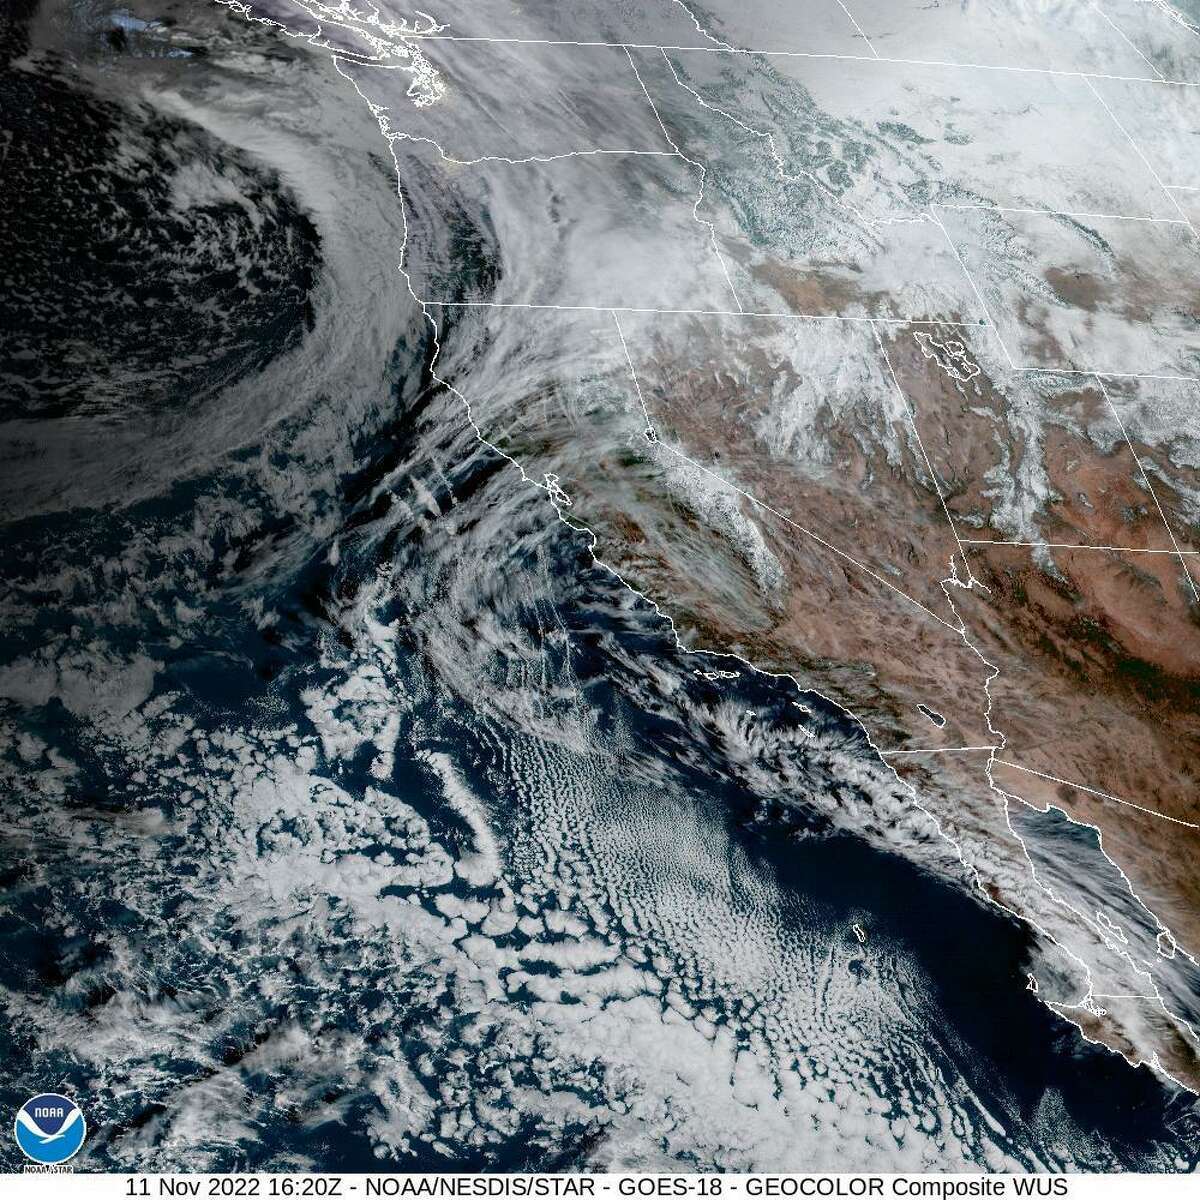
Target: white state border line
(1102,374)
(971,280)
(701,167)
(814,54)
(983,323)
(1139,152)
(1082,787)
(531,158)
(1074,546)
(1150,488)
(862,33)
(704,312)
(936,750)
(933,476)
(716,41)
(1060,212)
(1128,41)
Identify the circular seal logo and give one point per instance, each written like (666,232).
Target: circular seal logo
(49,1128)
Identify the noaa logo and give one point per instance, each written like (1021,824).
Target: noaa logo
(50,1128)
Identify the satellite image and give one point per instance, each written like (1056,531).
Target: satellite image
(601,585)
